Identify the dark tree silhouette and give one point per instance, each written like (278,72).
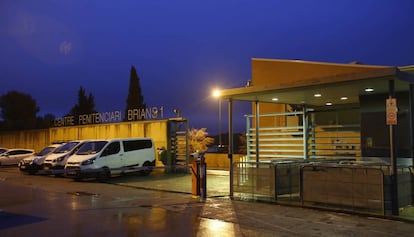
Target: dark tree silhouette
(135,99)
(46,121)
(85,105)
(18,111)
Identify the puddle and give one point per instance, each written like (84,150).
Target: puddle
(81,193)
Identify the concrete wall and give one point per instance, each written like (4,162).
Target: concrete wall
(33,139)
(37,139)
(221,160)
(284,74)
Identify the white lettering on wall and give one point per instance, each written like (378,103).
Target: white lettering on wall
(145,113)
(111,117)
(65,121)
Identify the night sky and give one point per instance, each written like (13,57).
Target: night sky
(183,49)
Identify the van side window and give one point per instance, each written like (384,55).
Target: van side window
(132,145)
(111,149)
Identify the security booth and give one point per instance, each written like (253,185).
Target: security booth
(336,135)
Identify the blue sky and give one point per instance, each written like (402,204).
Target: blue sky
(182,49)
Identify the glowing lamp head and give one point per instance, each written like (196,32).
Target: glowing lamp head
(216,93)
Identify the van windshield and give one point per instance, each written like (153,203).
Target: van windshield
(91,147)
(67,147)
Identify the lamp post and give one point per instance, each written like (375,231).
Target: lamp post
(216,93)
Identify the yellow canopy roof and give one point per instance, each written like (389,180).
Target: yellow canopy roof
(297,82)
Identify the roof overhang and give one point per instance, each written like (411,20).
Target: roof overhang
(342,88)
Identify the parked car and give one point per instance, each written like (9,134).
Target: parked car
(2,150)
(102,158)
(14,156)
(34,163)
(57,160)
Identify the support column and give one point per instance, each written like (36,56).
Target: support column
(257,118)
(230,154)
(411,112)
(248,141)
(305,133)
(187,138)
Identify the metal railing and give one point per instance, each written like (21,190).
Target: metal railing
(273,142)
(291,135)
(348,187)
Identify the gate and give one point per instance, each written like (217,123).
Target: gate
(178,142)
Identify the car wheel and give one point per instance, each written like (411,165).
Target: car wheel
(103,175)
(148,168)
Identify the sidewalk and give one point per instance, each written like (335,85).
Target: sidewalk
(218,182)
(218,185)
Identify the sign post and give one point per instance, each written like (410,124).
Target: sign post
(391,114)
(391,109)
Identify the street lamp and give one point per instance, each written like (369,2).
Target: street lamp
(216,93)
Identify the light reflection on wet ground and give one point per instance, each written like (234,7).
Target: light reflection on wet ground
(82,213)
(44,206)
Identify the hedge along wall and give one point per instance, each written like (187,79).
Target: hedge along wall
(37,139)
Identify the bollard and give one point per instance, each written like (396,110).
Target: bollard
(203,177)
(195,180)
(199,175)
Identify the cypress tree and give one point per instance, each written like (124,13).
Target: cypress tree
(85,105)
(135,99)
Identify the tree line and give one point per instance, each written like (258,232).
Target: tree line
(19,110)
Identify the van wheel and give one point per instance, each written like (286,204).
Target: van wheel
(148,168)
(103,175)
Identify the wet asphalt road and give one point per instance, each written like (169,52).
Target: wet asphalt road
(48,206)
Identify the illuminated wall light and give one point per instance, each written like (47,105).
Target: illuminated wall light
(328,103)
(344,98)
(275,99)
(317,95)
(369,89)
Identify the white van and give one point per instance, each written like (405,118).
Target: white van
(57,160)
(102,158)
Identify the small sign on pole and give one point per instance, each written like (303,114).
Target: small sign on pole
(391,110)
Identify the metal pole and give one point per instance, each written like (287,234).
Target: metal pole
(230,154)
(220,141)
(257,132)
(248,141)
(393,157)
(305,133)
(411,111)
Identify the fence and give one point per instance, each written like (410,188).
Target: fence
(359,189)
(267,180)
(355,188)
